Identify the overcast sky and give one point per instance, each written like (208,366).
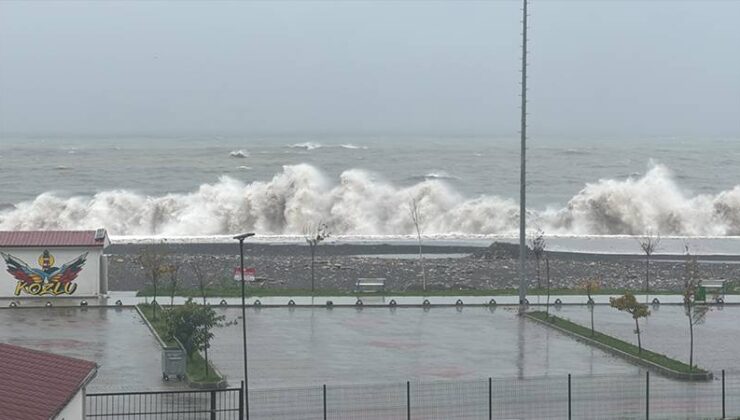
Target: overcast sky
(663,68)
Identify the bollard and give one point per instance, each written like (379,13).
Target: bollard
(324,401)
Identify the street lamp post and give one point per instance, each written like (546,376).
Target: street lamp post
(241,239)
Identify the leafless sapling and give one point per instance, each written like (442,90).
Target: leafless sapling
(153,260)
(695,312)
(418,220)
(314,235)
(538,245)
(649,243)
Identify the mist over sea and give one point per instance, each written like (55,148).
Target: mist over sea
(361,185)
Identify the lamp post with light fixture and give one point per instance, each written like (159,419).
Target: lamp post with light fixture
(241,239)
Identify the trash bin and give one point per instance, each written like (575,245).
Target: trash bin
(173,363)
(701,294)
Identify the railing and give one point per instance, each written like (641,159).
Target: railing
(639,396)
(217,404)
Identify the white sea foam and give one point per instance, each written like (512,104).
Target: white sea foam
(358,204)
(352,147)
(440,175)
(239,154)
(306,145)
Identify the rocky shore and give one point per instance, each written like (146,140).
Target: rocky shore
(447,267)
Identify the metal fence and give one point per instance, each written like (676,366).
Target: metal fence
(555,397)
(551,397)
(219,404)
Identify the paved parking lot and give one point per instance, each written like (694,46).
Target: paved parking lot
(117,339)
(309,346)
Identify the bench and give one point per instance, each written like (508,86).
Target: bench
(370,285)
(711,288)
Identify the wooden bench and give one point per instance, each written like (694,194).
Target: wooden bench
(370,285)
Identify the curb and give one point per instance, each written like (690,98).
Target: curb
(192,384)
(674,374)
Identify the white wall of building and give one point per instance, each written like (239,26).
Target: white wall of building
(88,281)
(75,410)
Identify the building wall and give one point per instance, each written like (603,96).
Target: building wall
(87,283)
(75,410)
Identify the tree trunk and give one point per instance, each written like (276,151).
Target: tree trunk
(421,260)
(639,343)
(647,277)
(154,301)
(313,254)
(592,317)
(172,294)
(691,346)
(547,268)
(206,353)
(539,283)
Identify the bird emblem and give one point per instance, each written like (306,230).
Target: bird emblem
(48,279)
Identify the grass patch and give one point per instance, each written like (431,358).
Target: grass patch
(236,291)
(196,368)
(195,365)
(659,359)
(148,310)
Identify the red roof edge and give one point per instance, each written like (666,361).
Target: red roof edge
(54,238)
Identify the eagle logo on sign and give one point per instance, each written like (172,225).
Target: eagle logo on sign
(46,280)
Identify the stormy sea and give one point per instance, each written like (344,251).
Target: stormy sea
(466,187)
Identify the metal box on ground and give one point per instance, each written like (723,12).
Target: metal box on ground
(174,362)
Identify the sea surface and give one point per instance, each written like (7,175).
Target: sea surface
(363,186)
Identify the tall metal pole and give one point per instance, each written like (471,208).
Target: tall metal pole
(244,329)
(523,180)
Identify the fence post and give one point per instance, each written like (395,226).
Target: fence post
(408,400)
(490,399)
(213,405)
(570,412)
(647,395)
(241,401)
(723,394)
(324,401)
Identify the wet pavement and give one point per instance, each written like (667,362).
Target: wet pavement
(666,330)
(126,352)
(290,347)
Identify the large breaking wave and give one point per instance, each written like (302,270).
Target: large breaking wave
(359,204)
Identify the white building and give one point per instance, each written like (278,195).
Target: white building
(53,264)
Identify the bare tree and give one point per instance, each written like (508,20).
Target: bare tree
(153,260)
(172,269)
(203,279)
(538,244)
(418,221)
(694,313)
(314,235)
(591,287)
(203,283)
(649,244)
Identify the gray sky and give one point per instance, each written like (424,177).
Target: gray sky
(597,67)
